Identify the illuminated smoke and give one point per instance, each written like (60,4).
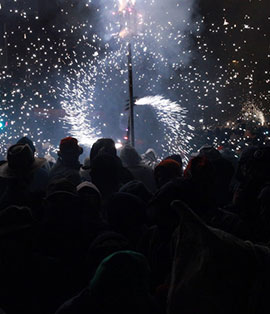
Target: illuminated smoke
(123,4)
(76,62)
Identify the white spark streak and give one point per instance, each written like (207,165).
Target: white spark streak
(176,132)
(77,103)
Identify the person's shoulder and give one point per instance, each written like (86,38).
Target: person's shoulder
(78,304)
(42,172)
(144,167)
(56,165)
(265,192)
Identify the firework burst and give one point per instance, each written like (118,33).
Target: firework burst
(59,57)
(252,113)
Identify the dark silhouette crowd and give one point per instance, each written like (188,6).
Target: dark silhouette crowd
(125,233)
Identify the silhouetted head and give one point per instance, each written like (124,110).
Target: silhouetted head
(166,171)
(103,146)
(129,156)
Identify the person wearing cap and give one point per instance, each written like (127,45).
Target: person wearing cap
(21,176)
(68,164)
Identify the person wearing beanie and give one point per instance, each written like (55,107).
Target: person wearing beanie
(166,171)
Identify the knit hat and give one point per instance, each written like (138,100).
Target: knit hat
(26,140)
(170,165)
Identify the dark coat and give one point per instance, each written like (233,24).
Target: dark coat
(216,273)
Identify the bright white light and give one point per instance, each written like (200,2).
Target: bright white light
(124,3)
(118,145)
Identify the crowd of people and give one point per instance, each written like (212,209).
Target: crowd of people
(127,233)
(234,136)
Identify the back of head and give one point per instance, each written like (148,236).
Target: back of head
(159,209)
(129,156)
(200,169)
(166,171)
(90,198)
(121,284)
(20,161)
(88,187)
(62,202)
(210,152)
(126,211)
(69,149)
(261,163)
(20,157)
(138,189)
(15,233)
(102,246)
(103,146)
(105,173)
(60,185)
(15,219)
(26,140)
(245,163)
(176,157)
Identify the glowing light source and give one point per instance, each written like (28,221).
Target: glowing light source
(123,4)
(118,145)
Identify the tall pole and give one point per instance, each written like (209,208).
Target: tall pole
(129,20)
(131,97)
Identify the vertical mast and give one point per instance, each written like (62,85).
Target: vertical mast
(131,97)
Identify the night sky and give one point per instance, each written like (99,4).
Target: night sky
(64,68)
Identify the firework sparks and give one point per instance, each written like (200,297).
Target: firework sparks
(71,63)
(129,19)
(251,113)
(177,133)
(78,106)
